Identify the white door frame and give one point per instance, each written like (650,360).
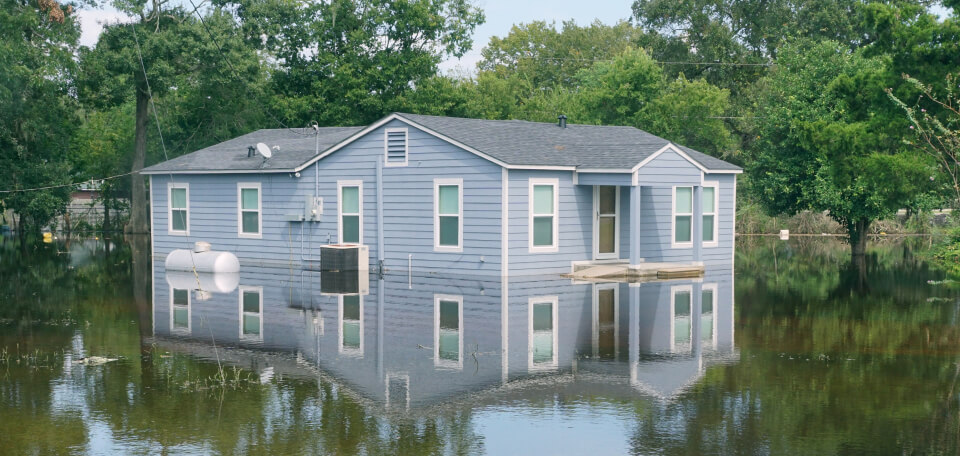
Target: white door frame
(596,225)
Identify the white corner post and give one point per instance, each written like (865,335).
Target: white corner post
(697,223)
(634,237)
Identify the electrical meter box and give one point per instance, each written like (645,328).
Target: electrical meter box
(312,208)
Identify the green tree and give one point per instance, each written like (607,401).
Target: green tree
(615,92)
(691,113)
(37,111)
(545,57)
(743,31)
(936,120)
(824,142)
(100,148)
(345,62)
(631,90)
(204,67)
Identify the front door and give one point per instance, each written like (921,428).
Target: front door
(606,223)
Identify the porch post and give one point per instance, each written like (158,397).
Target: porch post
(697,223)
(635,225)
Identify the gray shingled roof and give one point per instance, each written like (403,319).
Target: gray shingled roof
(514,142)
(519,142)
(294,150)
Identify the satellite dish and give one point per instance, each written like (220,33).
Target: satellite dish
(264,150)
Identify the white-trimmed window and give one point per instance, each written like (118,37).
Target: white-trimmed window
(681,328)
(178,208)
(180,311)
(708,315)
(711,200)
(682,216)
(448,215)
(251,313)
(542,330)
(543,218)
(395,147)
(350,210)
(350,324)
(249,204)
(448,331)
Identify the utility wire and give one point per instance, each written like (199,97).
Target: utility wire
(662,62)
(72,184)
(150,93)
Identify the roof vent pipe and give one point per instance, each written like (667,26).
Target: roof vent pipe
(563,121)
(251,151)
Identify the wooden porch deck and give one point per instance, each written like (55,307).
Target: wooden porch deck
(643,272)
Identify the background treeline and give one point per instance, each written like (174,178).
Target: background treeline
(809,96)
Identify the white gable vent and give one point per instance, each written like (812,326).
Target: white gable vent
(395,146)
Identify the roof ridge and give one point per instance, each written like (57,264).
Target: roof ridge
(403,114)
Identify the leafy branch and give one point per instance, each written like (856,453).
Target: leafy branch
(938,133)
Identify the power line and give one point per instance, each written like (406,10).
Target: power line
(662,62)
(149,92)
(72,184)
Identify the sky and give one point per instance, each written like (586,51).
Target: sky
(500,14)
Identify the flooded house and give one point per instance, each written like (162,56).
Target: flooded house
(452,196)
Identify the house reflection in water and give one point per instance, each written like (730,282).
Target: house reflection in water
(416,341)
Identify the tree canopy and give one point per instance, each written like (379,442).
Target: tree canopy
(37,112)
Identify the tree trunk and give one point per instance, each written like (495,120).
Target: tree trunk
(857,232)
(138,196)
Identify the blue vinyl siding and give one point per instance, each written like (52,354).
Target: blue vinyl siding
(408,211)
(655,224)
(669,168)
(604,178)
(575,224)
(407,201)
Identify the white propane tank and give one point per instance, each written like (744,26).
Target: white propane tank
(221,282)
(202,259)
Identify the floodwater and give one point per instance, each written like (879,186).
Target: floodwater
(791,352)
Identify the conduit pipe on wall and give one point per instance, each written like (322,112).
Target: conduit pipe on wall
(380,254)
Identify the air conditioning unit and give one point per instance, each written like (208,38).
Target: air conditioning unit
(344,257)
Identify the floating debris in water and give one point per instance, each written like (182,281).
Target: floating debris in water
(95,360)
(938,299)
(941,282)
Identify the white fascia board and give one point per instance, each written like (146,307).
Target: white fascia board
(725,171)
